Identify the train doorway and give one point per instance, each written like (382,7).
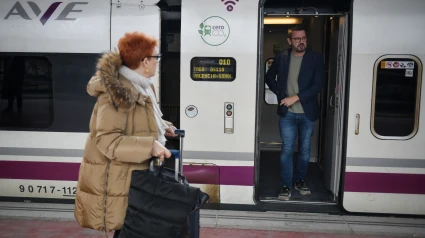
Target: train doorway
(327,33)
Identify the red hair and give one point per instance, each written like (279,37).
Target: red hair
(134,47)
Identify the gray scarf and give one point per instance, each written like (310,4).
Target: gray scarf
(143,85)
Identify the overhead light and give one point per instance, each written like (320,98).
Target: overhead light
(282,20)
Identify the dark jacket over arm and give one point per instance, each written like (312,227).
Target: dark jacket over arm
(317,82)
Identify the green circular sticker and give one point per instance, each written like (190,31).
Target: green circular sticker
(214,30)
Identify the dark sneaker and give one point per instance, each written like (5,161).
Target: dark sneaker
(285,194)
(300,186)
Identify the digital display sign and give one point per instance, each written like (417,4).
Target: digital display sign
(213,69)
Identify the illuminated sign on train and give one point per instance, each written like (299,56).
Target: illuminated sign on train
(213,69)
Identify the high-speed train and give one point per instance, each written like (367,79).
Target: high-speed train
(368,147)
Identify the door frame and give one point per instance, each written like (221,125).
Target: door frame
(339,131)
(328,129)
(346,106)
(298,206)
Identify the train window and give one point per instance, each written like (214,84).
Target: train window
(26,92)
(269,97)
(396,97)
(29,89)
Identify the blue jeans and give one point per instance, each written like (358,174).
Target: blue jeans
(289,125)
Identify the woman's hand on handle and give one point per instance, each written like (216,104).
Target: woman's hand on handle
(158,150)
(170,131)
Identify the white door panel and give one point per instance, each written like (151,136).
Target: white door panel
(205,131)
(386,28)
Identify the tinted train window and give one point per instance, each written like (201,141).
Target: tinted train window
(396,97)
(269,96)
(46,91)
(26,92)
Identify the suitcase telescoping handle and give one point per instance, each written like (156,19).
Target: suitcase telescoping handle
(176,169)
(161,164)
(179,161)
(181,134)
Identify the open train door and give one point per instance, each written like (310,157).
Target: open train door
(218,91)
(385,165)
(336,104)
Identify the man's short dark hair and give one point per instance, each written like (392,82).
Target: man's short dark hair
(295,28)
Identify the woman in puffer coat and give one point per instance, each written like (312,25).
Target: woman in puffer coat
(126,130)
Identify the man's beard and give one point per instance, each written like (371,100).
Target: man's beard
(297,49)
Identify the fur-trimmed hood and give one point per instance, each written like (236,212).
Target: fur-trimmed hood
(108,80)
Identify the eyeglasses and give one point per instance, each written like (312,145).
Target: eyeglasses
(298,39)
(158,57)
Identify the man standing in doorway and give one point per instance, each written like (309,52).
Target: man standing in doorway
(299,74)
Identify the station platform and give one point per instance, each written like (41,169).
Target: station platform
(36,220)
(69,229)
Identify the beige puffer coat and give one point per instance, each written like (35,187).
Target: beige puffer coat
(122,132)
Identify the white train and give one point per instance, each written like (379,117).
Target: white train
(368,146)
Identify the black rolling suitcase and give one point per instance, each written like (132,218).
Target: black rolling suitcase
(194,217)
(161,203)
(194,225)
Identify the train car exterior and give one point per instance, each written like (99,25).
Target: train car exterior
(377,167)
